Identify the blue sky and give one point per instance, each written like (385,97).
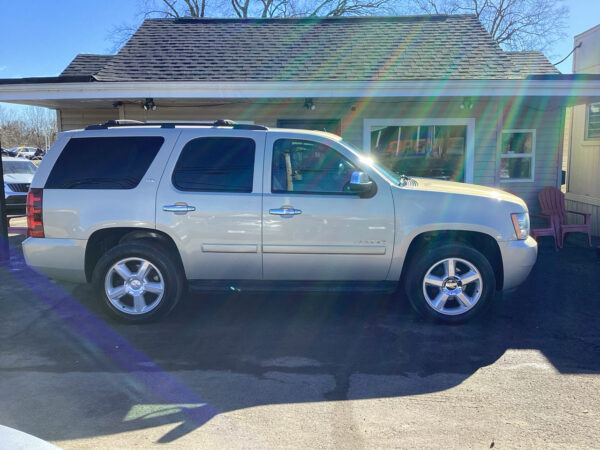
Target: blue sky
(41,37)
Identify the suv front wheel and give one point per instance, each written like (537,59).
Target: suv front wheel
(138,281)
(451,283)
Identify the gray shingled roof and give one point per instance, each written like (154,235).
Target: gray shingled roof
(436,47)
(532,63)
(86,64)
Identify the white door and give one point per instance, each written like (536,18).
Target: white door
(313,227)
(210,202)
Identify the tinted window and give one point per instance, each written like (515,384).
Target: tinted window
(18,167)
(216,164)
(309,167)
(104,163)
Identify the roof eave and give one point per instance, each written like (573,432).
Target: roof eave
(48,80)
(555,86)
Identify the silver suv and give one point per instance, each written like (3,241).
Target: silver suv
(145,211)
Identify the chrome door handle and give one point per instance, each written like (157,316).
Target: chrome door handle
(285,211)
(179,208)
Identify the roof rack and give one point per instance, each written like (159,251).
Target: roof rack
(135,123)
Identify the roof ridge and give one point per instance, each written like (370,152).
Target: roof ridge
(524,51)
(407,17)
(95,54)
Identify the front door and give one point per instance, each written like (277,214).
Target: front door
(314,228)
(210,202)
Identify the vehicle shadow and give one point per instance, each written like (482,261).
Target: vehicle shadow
(70,372)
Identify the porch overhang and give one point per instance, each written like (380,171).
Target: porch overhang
(51,93)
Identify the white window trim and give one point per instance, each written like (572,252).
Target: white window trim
(587,124)
(468,122)
(518,155)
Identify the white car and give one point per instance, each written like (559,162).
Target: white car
(146,210)
(18,174)
(22,152)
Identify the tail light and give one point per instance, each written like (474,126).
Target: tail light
(35,222)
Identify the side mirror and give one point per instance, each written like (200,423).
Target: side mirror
(361,184)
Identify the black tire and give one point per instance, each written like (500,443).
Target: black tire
(451,309)
(166,272)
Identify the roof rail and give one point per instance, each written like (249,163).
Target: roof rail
(135,123)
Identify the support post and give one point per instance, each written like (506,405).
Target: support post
(4,251)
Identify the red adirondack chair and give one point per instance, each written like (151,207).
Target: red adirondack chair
(552,202)
(551,229)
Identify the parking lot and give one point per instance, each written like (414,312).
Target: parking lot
(305,370)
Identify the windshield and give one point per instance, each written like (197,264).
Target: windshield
(18,167)
(370,161)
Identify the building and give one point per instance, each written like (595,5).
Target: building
(427,95)
(583,132)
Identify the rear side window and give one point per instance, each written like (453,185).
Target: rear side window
(216,164)
(103,163)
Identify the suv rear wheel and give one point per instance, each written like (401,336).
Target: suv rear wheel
(138,281)
(451,283)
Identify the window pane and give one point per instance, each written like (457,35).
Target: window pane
(18,167)
(432,151)
(309,167)
(216,164)
(517,142)
(593,125)
(103,163)
(515,168)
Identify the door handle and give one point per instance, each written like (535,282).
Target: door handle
(179,208)
(285,211)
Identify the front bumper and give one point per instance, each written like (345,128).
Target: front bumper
(518,258)
(61,259)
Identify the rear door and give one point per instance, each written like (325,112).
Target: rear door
(210,201)
(102,179)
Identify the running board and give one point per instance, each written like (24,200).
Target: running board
(293,286)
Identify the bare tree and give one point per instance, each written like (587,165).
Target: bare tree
(259,8)
(34,127)
(176,8)
(514,24)
(334,8)
(119,35)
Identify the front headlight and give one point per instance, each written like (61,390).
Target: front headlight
(521,223)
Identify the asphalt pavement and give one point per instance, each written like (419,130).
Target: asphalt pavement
(293,370)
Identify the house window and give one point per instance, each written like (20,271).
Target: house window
(431,148)
(517,155)
(593,121)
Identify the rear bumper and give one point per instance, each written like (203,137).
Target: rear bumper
(518,258)
(61,259)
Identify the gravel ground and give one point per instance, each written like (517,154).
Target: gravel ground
(290,370)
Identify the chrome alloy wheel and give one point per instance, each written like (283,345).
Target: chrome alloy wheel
(134,286)
(452,286)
